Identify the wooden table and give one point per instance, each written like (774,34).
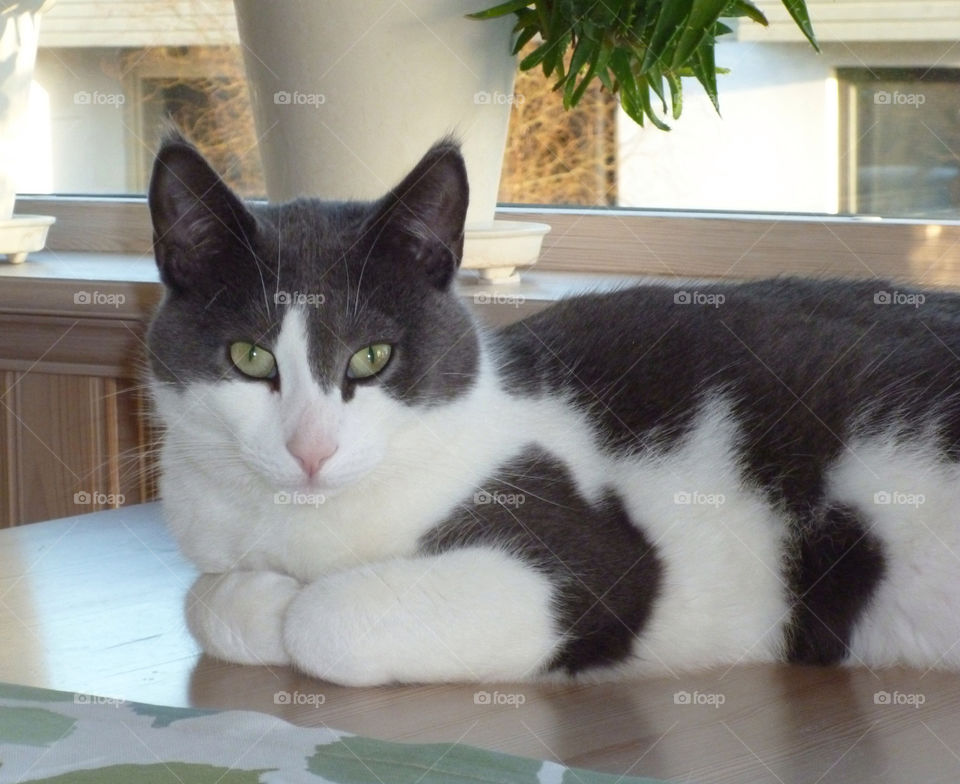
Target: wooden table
(93,604)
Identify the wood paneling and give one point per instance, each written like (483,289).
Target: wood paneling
(73,432)
(72,444)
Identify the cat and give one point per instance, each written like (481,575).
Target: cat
(378,489)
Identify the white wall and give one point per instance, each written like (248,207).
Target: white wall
(75,147)
(776,146)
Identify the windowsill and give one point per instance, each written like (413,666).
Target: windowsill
(87,266)
(127,286)
(585,243)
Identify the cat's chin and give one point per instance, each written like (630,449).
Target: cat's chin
(327,487)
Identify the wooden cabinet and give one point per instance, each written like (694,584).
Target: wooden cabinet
(72,444)
(74,432)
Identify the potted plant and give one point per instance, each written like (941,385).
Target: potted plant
(638,49)
(345,102)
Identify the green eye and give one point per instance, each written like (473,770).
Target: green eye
(369,361)
(252,360)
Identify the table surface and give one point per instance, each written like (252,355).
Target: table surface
(93,604)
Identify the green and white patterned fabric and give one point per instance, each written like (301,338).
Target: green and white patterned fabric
(66,738)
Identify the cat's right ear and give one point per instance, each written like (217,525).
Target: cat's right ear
(197,220)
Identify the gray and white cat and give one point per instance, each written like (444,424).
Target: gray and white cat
(377,489)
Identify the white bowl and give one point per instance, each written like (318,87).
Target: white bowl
(499,250)
(23,233)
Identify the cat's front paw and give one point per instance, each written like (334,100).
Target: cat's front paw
(238,616)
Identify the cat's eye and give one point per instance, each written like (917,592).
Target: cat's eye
(253,360)
(369,360)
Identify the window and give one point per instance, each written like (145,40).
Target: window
(901,141)
(790,144)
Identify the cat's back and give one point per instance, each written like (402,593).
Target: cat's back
(801,365)
(675,340)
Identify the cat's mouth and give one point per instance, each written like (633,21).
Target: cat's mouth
(327,484)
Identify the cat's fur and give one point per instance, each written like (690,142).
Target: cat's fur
(620,484)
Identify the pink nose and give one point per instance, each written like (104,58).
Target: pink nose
(310,456)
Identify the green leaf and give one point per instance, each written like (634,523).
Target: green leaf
(571,97)
(553,61)
(648,108)
(535,57)
(620,65)
(676,93)
(527,20)
(745,8)
(524,38)
(626,85)
(669,26)
(605,80)
(705,69)
(798,11)
(500,10)
(655,81)
(702,17)
(633,110)
(584,51)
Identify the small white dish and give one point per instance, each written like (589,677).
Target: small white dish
(22,234)
(499,250)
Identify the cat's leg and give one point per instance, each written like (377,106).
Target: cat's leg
(238,616)
(471,614)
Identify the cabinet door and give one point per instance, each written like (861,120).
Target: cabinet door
(71,444)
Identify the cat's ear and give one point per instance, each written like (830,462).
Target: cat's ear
(198,221)
(421,221)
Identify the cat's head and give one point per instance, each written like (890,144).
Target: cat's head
(294,340)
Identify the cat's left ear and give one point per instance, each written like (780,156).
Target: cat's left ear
(421,221)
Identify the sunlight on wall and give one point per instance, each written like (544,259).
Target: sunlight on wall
(33,165)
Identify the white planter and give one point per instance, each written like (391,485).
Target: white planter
(19,32)
(348,95)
